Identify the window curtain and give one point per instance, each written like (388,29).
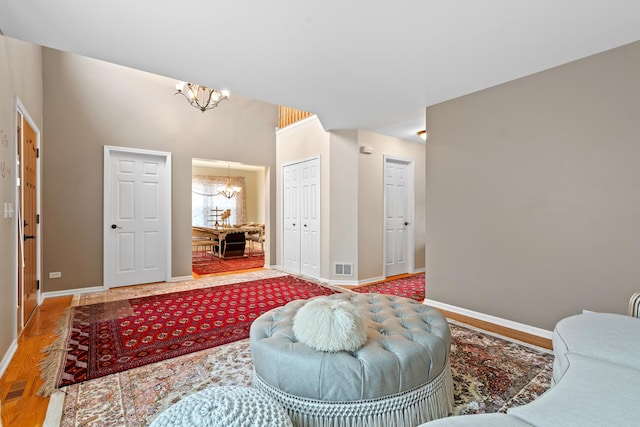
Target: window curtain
(205,197)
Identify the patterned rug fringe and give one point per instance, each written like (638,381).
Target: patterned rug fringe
(51,365)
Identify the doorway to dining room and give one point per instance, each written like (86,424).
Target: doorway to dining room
(228,207)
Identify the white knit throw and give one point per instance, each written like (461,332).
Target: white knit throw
(228,406)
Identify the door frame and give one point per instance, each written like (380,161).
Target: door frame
(108,150)
(410,212)
(21,110)
(282,219)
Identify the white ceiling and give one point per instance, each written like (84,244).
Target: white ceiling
(370,64)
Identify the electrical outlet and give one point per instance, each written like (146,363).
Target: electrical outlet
(55,275)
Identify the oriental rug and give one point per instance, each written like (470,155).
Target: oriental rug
(115,336)
(411,287)
(203,264)
(491,374)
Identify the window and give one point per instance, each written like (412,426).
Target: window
(206,197)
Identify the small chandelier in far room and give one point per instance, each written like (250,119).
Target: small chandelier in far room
(202,97)
(229,191)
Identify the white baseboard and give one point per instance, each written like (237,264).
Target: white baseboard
(336,282)
(67,292)
(418,270)
(180,279)
(6,359)
(365,281)
(371,280)
(54,410)
(532,330)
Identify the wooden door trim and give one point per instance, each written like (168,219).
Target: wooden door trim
(21,110)
(410,212)
(108,150)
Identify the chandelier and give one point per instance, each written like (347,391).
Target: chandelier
(202,97)
(229,191)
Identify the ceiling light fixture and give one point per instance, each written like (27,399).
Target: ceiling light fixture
(201,97)
(229,190)
(422,134)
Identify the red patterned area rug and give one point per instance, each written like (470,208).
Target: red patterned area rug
(207,264)
(491,374)
(411,287)
(115,336)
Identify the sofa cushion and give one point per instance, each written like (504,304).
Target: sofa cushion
(610,337)
(488,420)
(591,393)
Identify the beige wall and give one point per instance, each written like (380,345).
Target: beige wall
(303,141)
(533,199)
(89,104)
(371,200)
(343,205)
(21,76)
(352,194)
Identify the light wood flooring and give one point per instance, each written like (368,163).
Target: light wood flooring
(21,407)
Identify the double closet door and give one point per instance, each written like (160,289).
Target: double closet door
(301,217)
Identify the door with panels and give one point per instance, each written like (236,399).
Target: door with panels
(137,217)
(301,218)
(397,222)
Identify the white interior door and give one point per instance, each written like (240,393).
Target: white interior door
(136,217)
(301,218)
(398,228)
(291,218)
(310,218)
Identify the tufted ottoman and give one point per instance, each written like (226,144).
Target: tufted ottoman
(399,377)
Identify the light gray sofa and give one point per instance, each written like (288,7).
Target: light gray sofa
(596,377)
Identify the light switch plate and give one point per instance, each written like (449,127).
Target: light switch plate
(8,210)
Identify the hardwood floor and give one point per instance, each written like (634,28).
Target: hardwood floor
(500,330)
(21,407)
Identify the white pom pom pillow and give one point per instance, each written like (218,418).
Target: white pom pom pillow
(331,325)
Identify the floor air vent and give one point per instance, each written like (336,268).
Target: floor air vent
(342,269)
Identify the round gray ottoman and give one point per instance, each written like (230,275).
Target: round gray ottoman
(226,406)
(399,377)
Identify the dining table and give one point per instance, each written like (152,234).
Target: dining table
(229,241)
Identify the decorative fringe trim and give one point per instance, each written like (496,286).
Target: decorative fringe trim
(75,301)
(411,408)
(51,365)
